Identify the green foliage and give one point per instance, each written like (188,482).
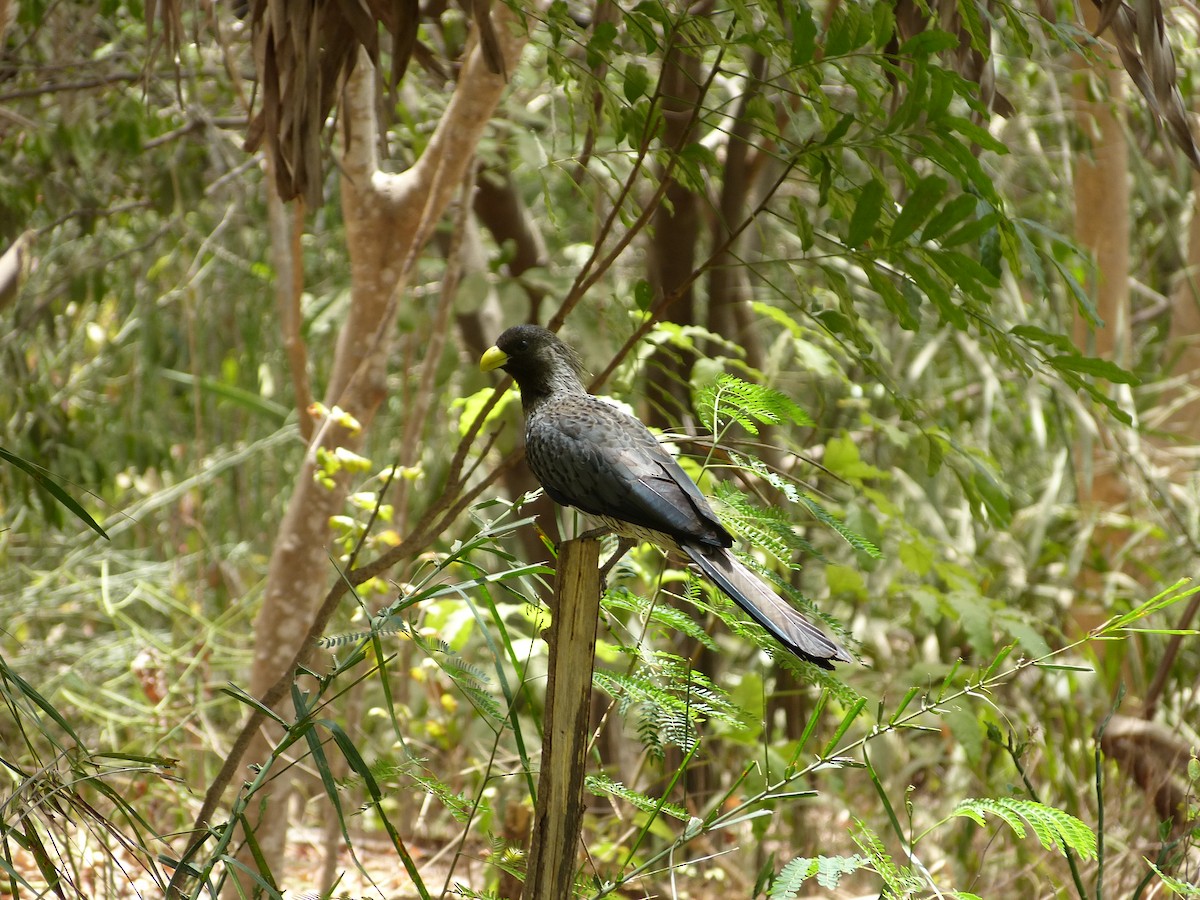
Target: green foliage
(1176,886)
(603,786)
(670,699)
(730,399)
(827,869)
(1055,829)
(671,619)
(47,483)
(898,880)
(901,379)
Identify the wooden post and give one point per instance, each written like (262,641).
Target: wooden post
(554,844)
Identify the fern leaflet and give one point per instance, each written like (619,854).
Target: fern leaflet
(602,785)
(828,869)
(898,881)
(750,405)
(1057,830)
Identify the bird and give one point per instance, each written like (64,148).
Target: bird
(588,454)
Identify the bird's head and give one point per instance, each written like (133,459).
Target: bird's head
(538,361)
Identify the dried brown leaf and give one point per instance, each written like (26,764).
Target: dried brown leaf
(1141,39)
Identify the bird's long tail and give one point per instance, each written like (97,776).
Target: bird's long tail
(764,606)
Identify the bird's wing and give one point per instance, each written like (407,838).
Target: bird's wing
(770,611)
(591,455)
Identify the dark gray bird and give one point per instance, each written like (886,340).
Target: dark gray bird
(588,454)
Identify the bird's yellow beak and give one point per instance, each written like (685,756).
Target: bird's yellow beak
(493,358)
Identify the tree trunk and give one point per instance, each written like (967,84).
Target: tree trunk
(672,257)
(1102,227)
(728,304)
(388,218)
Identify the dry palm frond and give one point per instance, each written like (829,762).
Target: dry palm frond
(1140,33)
(306,48)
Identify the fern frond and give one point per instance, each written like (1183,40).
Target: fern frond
(1055,829)
(789,490)
(670,700)
(650,734)
(784,485)
(828,869)
(899,881)
(729,399)
(765,527)
(853,538)
(791,878)
(459,806)
(380,625)
(602,786)
(664,614)
(461,890)
(333,641)
(1175,885)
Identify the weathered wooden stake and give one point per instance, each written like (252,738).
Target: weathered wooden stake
(554,844)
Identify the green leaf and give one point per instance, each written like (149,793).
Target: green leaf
(802,223)
(1055,829)
(843,459)
(966,272)
(845,580)
(804,35)
(1041,336)
(857,541)
(950,215)
(1175,885)
(791,878)
(972,232)
(637,80)
(993,497)
(904,304)
(928,42)
(975,616)
(472,404)
(729,399)
(917,557)
(46,481)
(976,134)
(828,869)
(603,786)
(1026,634)
(600,43)
(1091,365)
(643,294)
(917,209)
(866,213)
(691,163)
(845,31)
(883,25)
(836,133)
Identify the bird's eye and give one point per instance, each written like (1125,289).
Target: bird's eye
(521,345)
